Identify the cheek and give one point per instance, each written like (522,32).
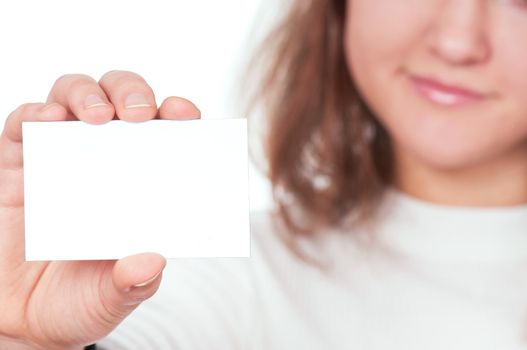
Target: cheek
(506,124)
(379,37)
(510,52)
(376,54)
(376,30)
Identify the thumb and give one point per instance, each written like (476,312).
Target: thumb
(133,280)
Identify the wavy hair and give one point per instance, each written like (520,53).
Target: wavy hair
(328,158)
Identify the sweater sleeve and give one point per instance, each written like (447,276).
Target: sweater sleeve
(201,304)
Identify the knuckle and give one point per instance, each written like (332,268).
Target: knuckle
(72,80)
(21,110)
(24,109)
(111,72)
(121,76)
(81,82)
(61,79)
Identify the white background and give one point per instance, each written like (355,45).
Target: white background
(193,48)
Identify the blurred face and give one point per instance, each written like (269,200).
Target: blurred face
(447,78)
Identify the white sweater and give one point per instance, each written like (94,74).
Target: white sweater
(437,277)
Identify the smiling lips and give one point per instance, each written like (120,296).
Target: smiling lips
(443,94)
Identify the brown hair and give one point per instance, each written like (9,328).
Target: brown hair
(327,155)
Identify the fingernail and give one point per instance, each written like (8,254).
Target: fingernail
(93,100)
(136,100)
(147,282)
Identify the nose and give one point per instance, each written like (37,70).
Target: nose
(459,34)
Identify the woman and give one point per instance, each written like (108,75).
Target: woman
(396,146)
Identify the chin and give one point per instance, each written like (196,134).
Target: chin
(442,154)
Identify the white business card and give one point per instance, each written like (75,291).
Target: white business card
(176,187)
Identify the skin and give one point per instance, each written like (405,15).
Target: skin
(95,296)
(472,155)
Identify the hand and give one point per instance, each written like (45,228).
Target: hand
(69,304)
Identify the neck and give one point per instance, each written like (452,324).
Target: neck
(498,182)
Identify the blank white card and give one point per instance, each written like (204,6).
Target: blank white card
(179,188)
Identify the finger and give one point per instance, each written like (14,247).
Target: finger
(82,96)
(178,108)
(133,280)
(11,151)
(31,112)
(130,94)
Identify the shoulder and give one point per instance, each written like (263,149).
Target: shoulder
(268,246)
(262,223)
(263,229)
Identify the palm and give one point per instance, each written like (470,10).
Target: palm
(61,290)
(54,305)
